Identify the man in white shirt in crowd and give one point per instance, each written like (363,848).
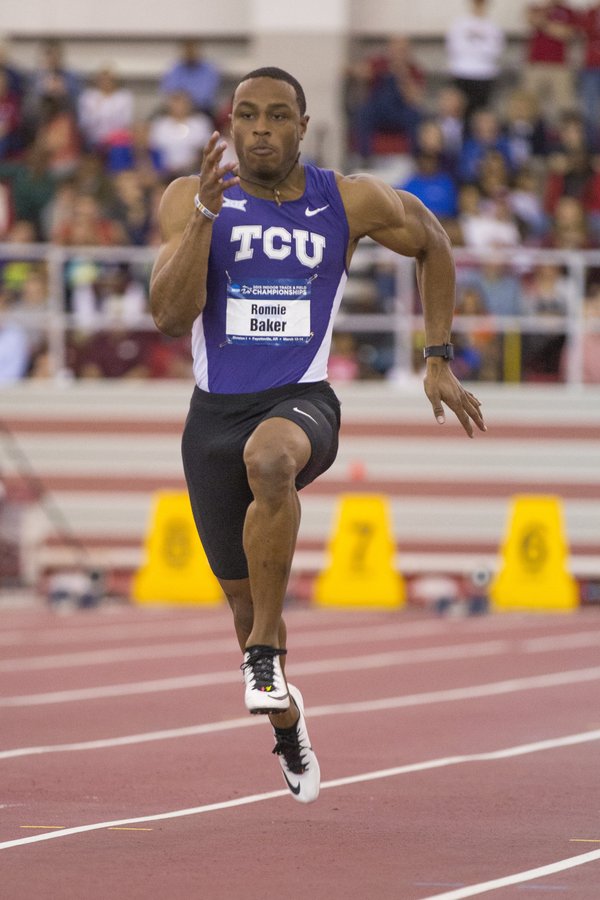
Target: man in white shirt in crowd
(474,47)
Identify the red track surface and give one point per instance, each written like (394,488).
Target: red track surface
(427,785)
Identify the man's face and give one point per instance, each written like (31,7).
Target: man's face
(266,126)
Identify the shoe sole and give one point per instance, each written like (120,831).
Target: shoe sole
(272,711)
(269,708)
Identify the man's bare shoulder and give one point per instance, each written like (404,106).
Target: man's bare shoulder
(177,203)
(181,189)
(370,202)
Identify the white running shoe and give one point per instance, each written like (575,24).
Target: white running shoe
(296,756)
(266,689)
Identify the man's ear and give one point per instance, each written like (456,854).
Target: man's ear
(303,126)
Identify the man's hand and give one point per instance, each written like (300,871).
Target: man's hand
(442,386)
(212,174)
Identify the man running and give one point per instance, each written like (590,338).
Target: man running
(254,263)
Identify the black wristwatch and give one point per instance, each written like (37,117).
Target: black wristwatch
(446,351)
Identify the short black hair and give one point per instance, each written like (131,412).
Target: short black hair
(279,75)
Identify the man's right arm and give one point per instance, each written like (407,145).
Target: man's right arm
(178,281)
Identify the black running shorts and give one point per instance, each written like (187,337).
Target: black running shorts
(214,437)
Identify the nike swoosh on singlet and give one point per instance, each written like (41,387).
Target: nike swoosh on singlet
(294,788)
(313,212)
(302,413)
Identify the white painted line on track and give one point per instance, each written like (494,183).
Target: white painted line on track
(229,676)
(518,878)
(160,626)
(450,695)
(568,740)
(332,637)
(102,631)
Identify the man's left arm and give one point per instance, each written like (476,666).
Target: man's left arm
(399,221)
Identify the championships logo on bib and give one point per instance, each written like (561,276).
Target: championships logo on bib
(268,311)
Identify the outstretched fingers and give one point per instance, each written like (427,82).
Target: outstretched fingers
(442,387)
(213,172)
(467,409)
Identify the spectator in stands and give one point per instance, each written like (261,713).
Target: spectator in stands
(15,78)
(131,207)
(499,287)
(480,345)
(31,308)
(572,169)
(449,111)
(154,200)
(474,47)
(10,118)
(92,177)
(89,226)
(58,132)
(546,294)
(178,137)
(525,201)
(547,73)
(570,227)
(588,25)
(15,353)
(494,176)
(15,267)
(343,364)
(105,109)
(31,183)
(501,292)
(430,139)
(391,90)
(169,357)
(433,185)
(486,134)
(113,353)
(525,129)
(52,78)
(114,297)
(144,161)
(195,76)
(483,225)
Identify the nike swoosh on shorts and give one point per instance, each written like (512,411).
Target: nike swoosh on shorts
(302,413)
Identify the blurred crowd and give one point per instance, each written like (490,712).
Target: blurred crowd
(506,157)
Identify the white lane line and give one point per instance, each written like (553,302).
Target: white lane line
(342,664)
(451,695)
(154,624)
(333,637)
(518,878)
(568,740)
(574,640)
(102,631)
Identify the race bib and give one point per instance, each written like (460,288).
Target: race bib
(268,311)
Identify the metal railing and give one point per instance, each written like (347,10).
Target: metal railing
(396,316)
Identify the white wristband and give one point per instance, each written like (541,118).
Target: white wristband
(203,209)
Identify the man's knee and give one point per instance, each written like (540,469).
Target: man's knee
(271,468)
